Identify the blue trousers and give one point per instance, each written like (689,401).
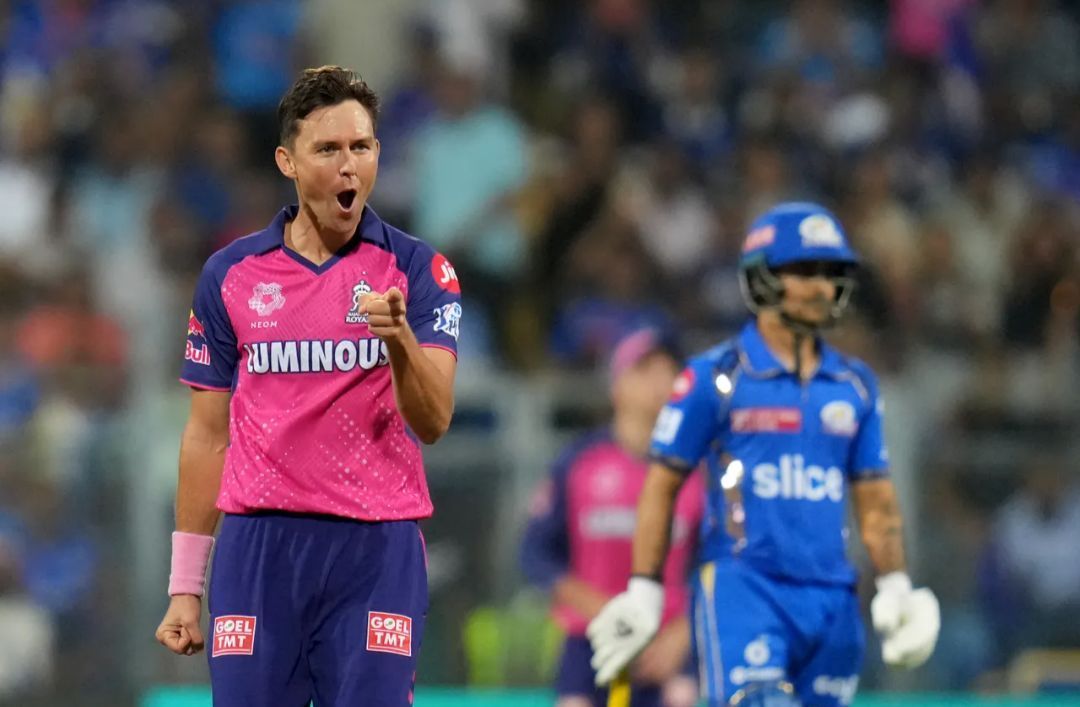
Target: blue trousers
(315,608)
(751,628)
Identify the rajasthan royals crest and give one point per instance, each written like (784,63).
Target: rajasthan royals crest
(358,291)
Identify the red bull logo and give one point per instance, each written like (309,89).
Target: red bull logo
(197,354)
(194,326)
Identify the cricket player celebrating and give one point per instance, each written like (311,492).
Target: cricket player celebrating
(790,428)
(321,353)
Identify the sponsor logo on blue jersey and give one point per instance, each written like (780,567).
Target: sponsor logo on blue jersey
(792,478)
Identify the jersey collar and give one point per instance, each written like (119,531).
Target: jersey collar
(370,228)
(759,361)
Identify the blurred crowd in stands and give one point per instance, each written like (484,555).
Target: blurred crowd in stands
(589,167)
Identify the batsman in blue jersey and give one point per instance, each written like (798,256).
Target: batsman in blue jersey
(789,429)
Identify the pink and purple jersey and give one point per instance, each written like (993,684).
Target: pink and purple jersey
(582,523)
(313,426)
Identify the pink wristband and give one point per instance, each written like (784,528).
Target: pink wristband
(190,556)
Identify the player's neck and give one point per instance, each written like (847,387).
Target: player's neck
(632,432)
(306,239)
(781,341)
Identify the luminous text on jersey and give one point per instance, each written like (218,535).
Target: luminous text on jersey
(317,356)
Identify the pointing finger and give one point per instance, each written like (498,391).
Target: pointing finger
(396,299)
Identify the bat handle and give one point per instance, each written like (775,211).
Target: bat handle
(619,691)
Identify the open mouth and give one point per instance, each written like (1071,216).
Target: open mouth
(346,198)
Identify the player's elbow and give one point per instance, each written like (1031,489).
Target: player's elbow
(430,437)
(433,430)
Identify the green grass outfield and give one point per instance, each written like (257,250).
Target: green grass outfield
(454,697)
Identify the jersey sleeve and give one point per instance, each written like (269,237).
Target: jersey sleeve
(434,306)
(869,454)
(545,547)
(210,354)
(689,422)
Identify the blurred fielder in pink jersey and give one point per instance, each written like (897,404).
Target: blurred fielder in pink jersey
(579,538)
(321,354)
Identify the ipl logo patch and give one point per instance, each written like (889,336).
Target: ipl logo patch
(358,291)
(266,298)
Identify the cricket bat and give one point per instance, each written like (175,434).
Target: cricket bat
(619,691)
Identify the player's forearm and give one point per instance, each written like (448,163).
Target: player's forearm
(885,544)
(652,535)
(202,459)
(579,596)
(679,632)
(424,395)
(881,524)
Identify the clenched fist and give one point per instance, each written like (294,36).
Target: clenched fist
(386,314)
(179,630)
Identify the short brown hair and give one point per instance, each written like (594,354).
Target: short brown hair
(318,88)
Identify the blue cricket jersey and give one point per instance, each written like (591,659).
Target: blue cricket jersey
(800,445)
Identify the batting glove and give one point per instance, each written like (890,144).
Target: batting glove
(907,619)
(624,627)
